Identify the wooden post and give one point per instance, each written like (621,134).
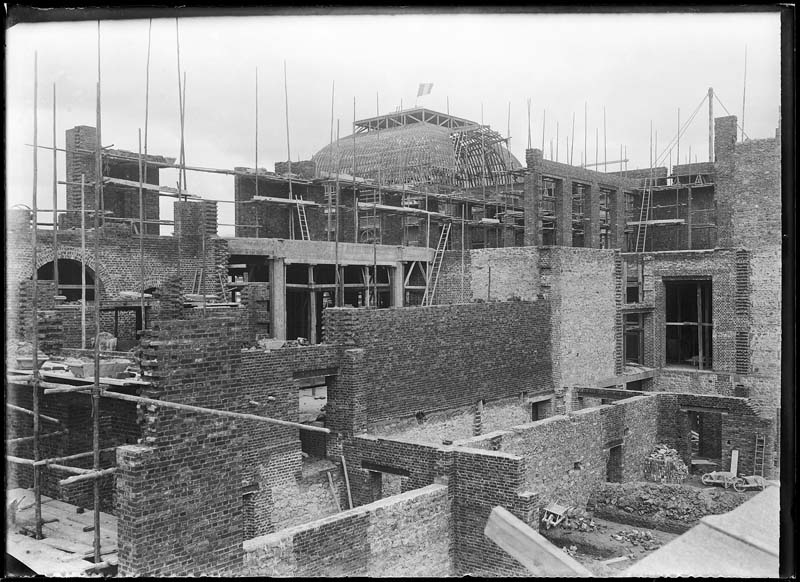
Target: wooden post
(699,327)
(312,307)
(347,483)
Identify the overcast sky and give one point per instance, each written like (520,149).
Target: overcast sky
(639,67)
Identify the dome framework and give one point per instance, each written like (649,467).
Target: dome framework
(421,147)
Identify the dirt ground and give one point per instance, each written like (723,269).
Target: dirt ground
(607,541)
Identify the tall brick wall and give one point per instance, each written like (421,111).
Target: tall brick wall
(749,199)
(585,323)
(428,359)
(451,287)
(581,288)
(405,535)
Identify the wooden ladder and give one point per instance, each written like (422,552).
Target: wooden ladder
(301,216)
(758,455)
(644,216)
(436,266)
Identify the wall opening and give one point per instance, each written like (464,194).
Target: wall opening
(633,348)
(614,465)
(705,434)
(578,215)
(689,325)
(547,212)
(69,278)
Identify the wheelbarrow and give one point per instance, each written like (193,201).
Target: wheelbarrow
(724,478)
(554,514)
(750,482)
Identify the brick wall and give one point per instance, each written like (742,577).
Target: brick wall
(186,482)
(478,481)
(405,535)
(583,316)
(428,359)
(740,423)
(552,447)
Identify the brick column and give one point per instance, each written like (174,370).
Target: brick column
(533,178)
(591,209)
(81,137)
(564,213)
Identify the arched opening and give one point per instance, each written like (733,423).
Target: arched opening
(69,278)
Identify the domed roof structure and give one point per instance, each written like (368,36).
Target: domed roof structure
(420,146)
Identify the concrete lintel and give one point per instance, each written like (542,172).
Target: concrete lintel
(324,253)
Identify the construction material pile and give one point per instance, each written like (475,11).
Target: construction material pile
(664,465)
(637,537)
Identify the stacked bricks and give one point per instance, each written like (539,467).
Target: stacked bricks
(508,357)
(305,169)
(406,535)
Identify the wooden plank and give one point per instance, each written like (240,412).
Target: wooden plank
(44,559)
(735,461)
(529,548)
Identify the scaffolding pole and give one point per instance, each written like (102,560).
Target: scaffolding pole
(55,197)
(230,414)
(35,308)
(98,188)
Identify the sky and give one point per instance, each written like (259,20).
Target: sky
(637,69)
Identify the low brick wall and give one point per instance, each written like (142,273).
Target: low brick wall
(404,535)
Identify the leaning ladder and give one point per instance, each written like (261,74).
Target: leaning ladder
(644,216)
(758,455)
(301,216)
(436,266)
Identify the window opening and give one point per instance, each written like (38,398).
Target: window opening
(547,212)
(634,338)
(578,222)
(689,326)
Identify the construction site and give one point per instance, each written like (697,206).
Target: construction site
(417,356)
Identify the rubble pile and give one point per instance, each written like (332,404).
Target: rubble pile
(642,538)
(664,465)
(581,523)
(673,508)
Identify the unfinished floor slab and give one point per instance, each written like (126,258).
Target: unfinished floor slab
(67,548)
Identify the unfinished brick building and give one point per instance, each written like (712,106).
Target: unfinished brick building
(485,335)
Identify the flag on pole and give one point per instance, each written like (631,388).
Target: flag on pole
(424,89)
